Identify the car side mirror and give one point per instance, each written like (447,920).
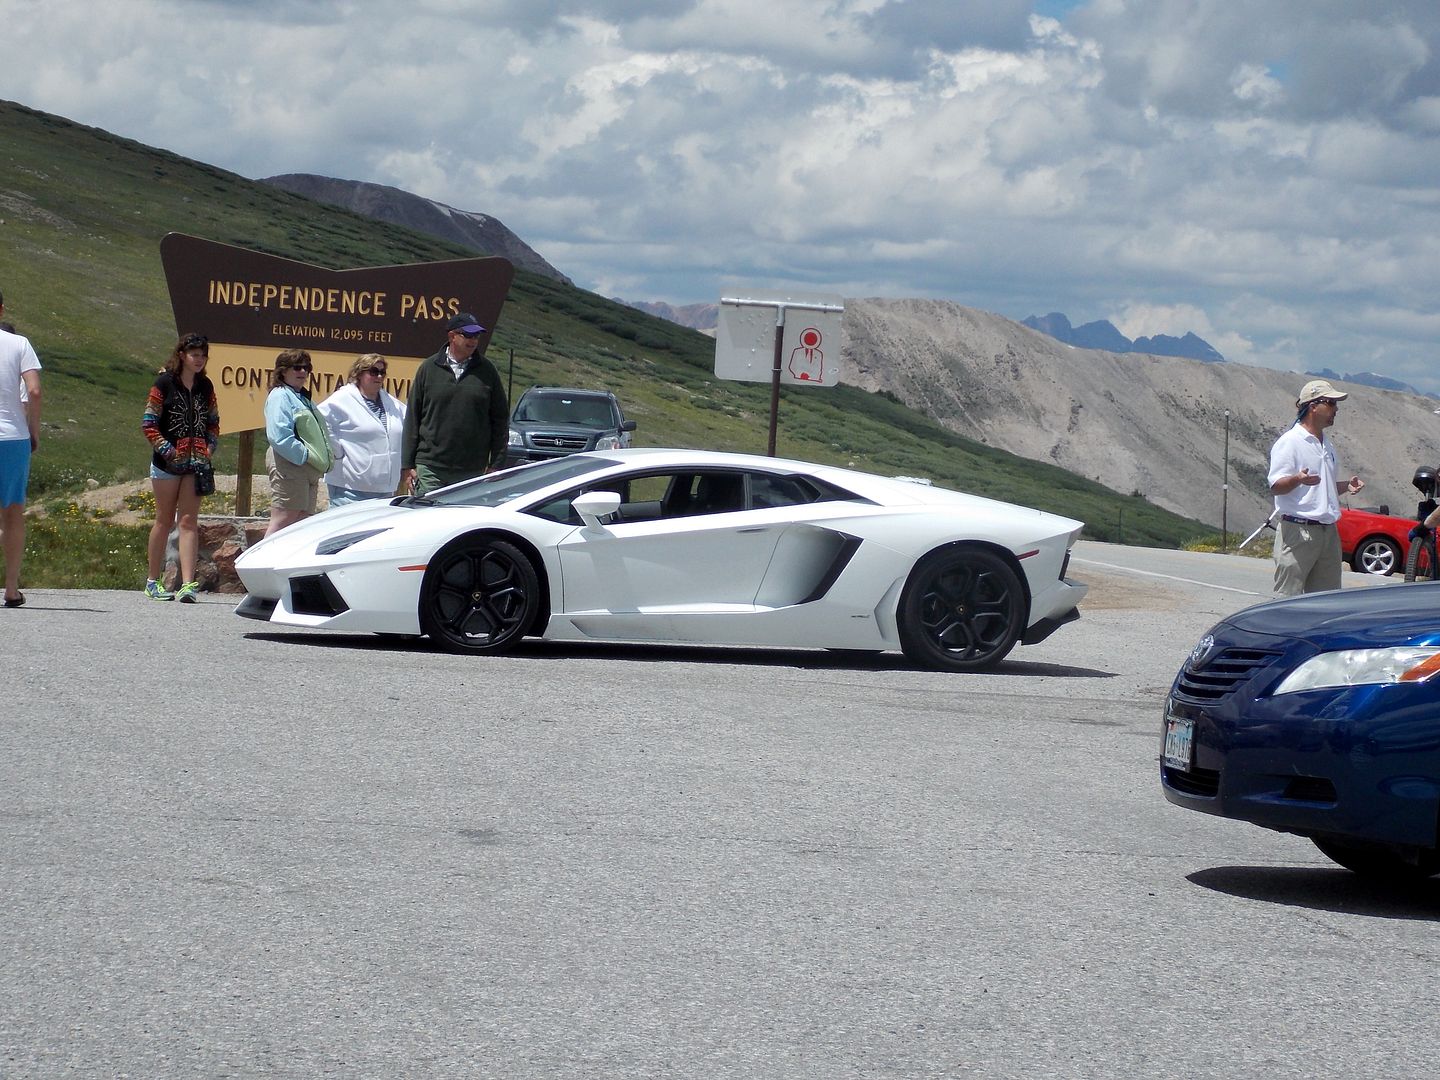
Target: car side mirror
(628,425)
(594,505)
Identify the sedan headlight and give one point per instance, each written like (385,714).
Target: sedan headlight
(337,544)
(608,442)
(1363,667)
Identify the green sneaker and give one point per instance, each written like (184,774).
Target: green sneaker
(156,591)
(186,593)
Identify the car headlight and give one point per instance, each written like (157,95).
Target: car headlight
(515,439)
(1363,667)
(337,544)
(608,442)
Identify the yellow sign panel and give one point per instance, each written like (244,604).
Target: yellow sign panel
(242,378)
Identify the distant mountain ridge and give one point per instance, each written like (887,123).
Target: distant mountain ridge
(480,232)
(1370,378)
(702,317)
(1102,334)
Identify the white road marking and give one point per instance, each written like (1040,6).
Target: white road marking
(1168,577)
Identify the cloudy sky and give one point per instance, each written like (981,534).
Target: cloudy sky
(1265,174)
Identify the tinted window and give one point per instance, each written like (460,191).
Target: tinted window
(691,493)
(582,410)
(767,490)
(496,488)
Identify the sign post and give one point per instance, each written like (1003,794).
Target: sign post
(797,348)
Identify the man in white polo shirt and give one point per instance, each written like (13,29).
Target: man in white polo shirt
(1303,472)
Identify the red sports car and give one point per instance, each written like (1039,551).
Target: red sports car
(1374,543)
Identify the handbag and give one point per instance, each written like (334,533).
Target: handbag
(204,477)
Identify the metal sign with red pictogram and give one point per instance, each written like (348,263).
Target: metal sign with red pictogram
(792,340)
(809,352)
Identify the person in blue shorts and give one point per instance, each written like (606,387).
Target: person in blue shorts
(19,438)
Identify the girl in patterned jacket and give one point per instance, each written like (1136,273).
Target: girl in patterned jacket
(182,422)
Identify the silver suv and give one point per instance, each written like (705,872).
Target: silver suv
(552,421)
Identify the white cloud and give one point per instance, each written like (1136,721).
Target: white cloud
(1264,176)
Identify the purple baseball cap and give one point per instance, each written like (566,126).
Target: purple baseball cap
(465,323)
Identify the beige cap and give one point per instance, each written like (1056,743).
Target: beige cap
(1316,389)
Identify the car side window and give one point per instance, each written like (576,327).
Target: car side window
(694,494)
(690,494)
(768,491)
(640,500)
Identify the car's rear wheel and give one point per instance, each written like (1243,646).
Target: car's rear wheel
(1420,561)
(962,610)
(480,595)
(1379,862)
(1376,555)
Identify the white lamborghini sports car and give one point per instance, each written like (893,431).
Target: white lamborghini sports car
(679,546)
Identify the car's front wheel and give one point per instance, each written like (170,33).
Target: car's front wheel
(480,595)
(963,609)
(1379,862)
(1376,555)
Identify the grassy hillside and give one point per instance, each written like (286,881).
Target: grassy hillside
(83,212)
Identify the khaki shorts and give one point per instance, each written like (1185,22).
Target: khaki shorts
(292,487)
(1307,558)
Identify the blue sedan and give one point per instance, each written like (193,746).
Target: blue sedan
(1318,715)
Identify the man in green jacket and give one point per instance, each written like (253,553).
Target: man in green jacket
(457,419)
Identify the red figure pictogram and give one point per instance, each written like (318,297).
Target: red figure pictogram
(807,363)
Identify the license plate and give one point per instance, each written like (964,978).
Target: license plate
(1179,752)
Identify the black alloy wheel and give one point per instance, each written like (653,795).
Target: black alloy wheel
(479,596)
(1376,555)
(963,609)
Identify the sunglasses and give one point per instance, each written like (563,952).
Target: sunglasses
(1327,401)
(467,337)
(300,367)
(378,372)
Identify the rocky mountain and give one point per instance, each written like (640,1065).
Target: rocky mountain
(479,232)
(702,317)
(1134,422)
(1190,346)
(1102,334)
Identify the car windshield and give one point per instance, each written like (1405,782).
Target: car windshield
(581,409)
(494,489)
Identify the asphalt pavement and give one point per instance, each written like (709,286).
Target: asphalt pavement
(230,851)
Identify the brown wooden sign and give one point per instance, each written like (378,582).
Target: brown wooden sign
(253,306)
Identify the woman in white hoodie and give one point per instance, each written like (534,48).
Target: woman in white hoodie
(366,425)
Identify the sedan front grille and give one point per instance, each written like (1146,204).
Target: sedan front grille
(1221,674)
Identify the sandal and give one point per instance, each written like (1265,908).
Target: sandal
(17,601)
